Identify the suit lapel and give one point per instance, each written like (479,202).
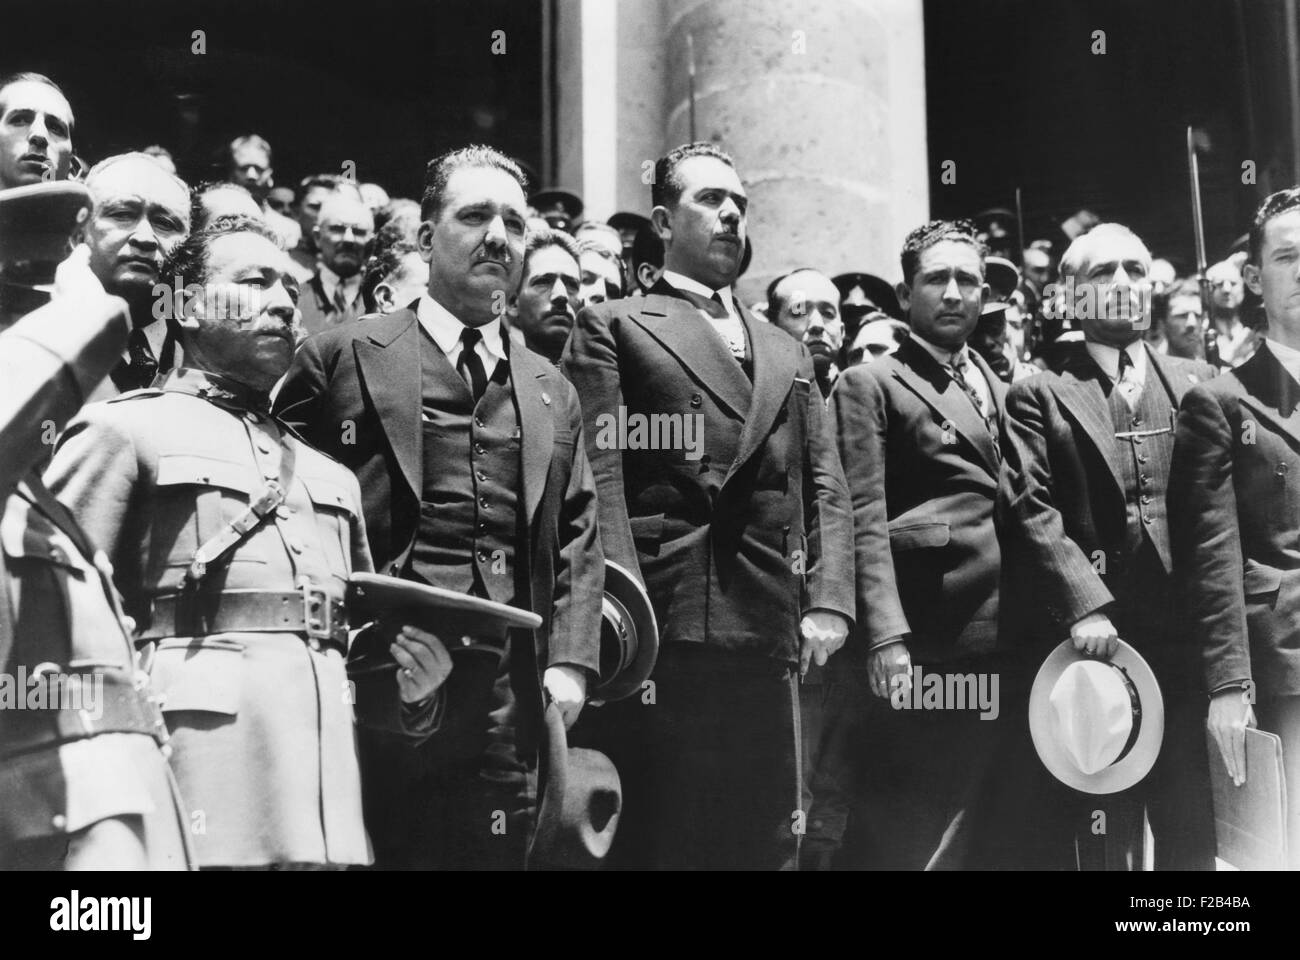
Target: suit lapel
(684,333)
(1271,392)
(535,393)
(923,375)
(389,365)
(1081,389)
(1176,382)
(776,361)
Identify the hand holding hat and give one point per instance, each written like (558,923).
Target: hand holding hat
(823,632)
(1095,635)
(567,688)
(424,663)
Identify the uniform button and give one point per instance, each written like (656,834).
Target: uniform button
(479,449)
(1146,518)
(482,527)
(295,546)
(482,502)
(314,643)
(465,641)
(1146,498)
(1137,421)
(263,446)
(478,422)
(482,477)
(1137,439)
(482,556)
(1142,458)
(1145,479)
(696,400)
(283,512)
(59,822)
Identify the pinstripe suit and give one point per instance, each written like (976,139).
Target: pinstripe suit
(1086,531)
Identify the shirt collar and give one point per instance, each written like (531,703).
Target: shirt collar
(445,328)
(1107,357)
(945,357)
(694,286)
(1289,357)
(156,334)
(216,388)
(330,281)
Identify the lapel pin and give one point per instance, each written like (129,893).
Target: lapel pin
(546,398)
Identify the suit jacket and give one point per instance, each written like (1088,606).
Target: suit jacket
(922,469)
(736,535)
(1063,497)
(1235,520)
(354,392)
(319,312)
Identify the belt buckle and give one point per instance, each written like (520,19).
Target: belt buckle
(317,613)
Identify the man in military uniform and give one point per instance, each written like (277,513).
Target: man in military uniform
(84,782)
(233,543)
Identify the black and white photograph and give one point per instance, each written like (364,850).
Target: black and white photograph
(625,436)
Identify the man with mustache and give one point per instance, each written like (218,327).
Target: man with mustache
(232,542)
(918,436)
(806,304)
(140,213)
(469,451)
(333,294)
(743,541)
(548,298)
(1087,545)
(35,130)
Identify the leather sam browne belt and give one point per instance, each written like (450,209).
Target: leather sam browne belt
(197,613)
(116,706)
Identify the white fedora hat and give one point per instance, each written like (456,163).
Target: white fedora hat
(1097,725)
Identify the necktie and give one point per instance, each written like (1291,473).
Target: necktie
(713,305)
(140,367)
(1126,381)
(340,302)
(729,328)
(960,369)
(470,364)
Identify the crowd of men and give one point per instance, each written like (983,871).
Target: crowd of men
(235,396)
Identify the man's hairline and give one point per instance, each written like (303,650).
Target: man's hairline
(72,117)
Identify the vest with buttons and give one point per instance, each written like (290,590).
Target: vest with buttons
(1144,459)
(469,504)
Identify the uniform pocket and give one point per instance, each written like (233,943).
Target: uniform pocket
(917,536)
(204,676)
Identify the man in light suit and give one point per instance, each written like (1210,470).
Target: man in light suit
(474,478)
(918,437)
(736,518)
(1234,502)
(332,295)
(1088,556)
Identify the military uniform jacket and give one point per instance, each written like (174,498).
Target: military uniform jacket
(261,720)
(739,534)
(1234,501)
(64,770)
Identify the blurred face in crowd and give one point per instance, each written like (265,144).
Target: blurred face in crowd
(1225,285)
(220,202)
(548,302)
(1183,325)
(250,167)
(600,236)
(944,297)
(704,231)
(309,208)
(1162,275)
(344,229)
(878,337)
(1038,267)
(404,285)
(140,213)
(35,134)
(242,325)
(280,199)
(810,312)
(1277,276)
(475,247)
(1111,278)
(598,273)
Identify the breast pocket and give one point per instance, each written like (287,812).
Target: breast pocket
(195,499)
(335,514)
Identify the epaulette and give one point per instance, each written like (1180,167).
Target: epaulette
(137,394)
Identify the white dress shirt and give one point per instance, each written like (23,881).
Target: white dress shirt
(973,375)
(1289,357)
(445,329)
(1135,377)
(730,328)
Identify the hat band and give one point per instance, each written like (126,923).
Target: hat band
(621,620)
(1136,705)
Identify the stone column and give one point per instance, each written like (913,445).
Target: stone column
(822,104)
